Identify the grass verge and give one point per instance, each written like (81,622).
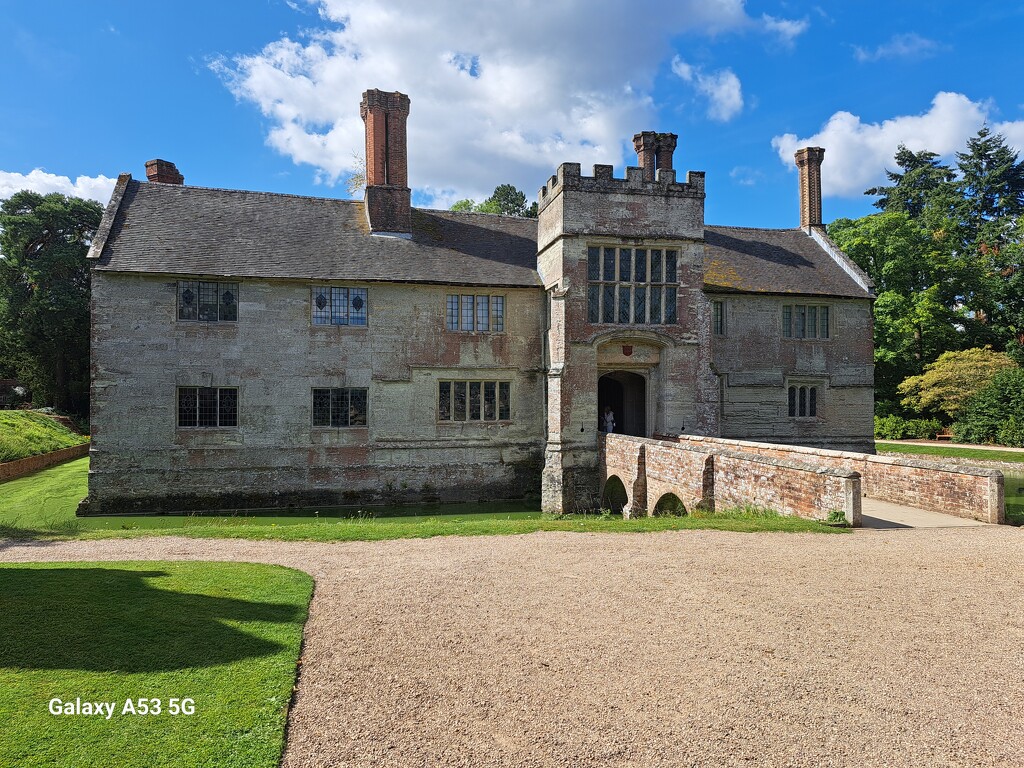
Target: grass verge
(24,434)
(226,635)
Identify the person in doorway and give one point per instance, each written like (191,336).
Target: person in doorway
(608,419)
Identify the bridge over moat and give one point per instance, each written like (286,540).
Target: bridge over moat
(651,475)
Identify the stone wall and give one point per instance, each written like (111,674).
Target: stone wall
(757,366)
(961,491)
(12,469)
(716,477)
(141,460)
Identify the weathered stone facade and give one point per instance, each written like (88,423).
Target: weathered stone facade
(618,296)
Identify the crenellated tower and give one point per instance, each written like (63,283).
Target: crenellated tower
(622,262)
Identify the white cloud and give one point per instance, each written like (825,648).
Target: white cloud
(856,152)
(500,92)
(721,87)
(908,46)
(788,30)
(746,176)
(92,187)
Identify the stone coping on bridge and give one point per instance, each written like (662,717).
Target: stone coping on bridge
(970,492)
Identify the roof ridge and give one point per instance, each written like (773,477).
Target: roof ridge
(143,184)
(753,229)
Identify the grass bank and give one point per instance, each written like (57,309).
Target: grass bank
(952,452)
(24,434)
(42,506)
(225,636)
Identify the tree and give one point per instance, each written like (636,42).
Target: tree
(44,293)
(951,380)
(506,200)
(923,180)
(996,412)
(915,318)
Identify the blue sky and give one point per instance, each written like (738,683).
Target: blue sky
(264,94)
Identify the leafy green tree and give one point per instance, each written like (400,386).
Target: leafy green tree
(951,380)
(506,200)
(914,191)
(44,293)
(996,412)
(915,319)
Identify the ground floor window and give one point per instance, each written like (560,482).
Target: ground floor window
(339,407)
(474,400)
(207,406)
(803,400)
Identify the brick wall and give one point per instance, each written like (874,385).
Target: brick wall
(714,476)
(12,469)
(966,492)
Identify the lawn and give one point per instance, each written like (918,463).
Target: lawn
(225,635)
(985,454)
(24,434)
(43,505)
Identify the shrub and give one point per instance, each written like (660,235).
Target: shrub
(995,413)
(897,428)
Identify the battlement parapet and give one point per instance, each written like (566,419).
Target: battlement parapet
(569,177)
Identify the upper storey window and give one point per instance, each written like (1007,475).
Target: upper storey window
(805,321)
(207,302)
(632,285)
(335,305)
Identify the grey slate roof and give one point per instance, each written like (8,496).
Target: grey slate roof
(172,229)
(745,260)
(175,229)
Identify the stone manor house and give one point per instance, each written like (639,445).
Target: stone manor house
(256,350)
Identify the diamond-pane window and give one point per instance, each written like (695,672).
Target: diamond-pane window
(207,301)
(207,407)
(338,305)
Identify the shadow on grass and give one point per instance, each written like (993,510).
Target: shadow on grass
(107,620)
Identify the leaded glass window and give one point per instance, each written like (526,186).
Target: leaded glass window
(474,400)
(803,400)
(718,314)
(208,302)
(207,406)
(632,286)
(338,305)
(805,321)
(475,313)
(339,407)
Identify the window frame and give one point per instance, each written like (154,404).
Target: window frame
(220,290)
(473,391)
(803,399)
(339,392)
(337,296)
(459,312)
(719,326)
(629,285)
(218,407)
(795,320)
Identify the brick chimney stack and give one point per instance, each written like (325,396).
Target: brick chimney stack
(163,172)
(808,160)
(654,151)
(388,199)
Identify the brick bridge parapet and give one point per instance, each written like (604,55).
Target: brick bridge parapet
(809,482)
(710,476)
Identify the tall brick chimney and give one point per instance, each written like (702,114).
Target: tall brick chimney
(654,151)
(388,199)
(808,160)
(163,172)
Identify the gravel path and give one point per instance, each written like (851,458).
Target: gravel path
(698,648)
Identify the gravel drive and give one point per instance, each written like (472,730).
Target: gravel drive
(689,648)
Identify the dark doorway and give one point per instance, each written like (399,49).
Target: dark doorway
(626,394)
